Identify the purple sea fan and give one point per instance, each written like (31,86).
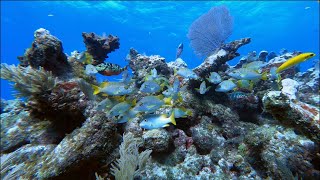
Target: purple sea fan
(210,30)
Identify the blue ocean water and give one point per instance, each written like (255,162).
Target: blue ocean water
(156,27)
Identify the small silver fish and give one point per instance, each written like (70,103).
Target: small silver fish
(203,88)
(128,116)
(118,109)
(214,78)
(91,70)
(187,73)
(245,84)
(226,86)
(150,87)
(255,65)
(179,50)
(154,121)
(182,112)
(248,74)
(104,104)
(149,104)
(113,89)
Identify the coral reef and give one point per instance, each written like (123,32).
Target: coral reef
(47,52)
(99,47)
(65,130)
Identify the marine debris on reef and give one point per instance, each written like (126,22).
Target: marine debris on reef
(163,120)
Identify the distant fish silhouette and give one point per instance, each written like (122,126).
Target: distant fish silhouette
(50,15)
(179,50)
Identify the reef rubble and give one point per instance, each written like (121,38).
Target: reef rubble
(63,131)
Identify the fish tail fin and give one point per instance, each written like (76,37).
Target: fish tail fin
(134,102)
(167,101)
(264,76)
(172,119)
(96,89)
(189,112)
(251,85)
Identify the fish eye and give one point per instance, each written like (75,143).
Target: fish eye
(312,55)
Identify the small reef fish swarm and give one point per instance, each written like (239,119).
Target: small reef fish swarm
(162,120)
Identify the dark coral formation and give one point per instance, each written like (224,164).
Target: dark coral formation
(99,47)
(142,65)
(47,52)
(216,61)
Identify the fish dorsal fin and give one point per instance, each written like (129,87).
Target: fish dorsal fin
(104,84)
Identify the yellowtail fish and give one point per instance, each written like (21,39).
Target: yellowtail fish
(154,121)
(182,112)
(226,86)
(246,84)
(214,78)
(118,109)
(105,104)
(255,65)
(150,86)
(149,104)
(248,74)
(203,88)
(109,69)
(83,57)
(113,89)
(152,75)
(295,60)
(127,116)
(186,73)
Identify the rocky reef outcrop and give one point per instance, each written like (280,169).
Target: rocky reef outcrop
(99,47)
(216,61)
(46,51)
